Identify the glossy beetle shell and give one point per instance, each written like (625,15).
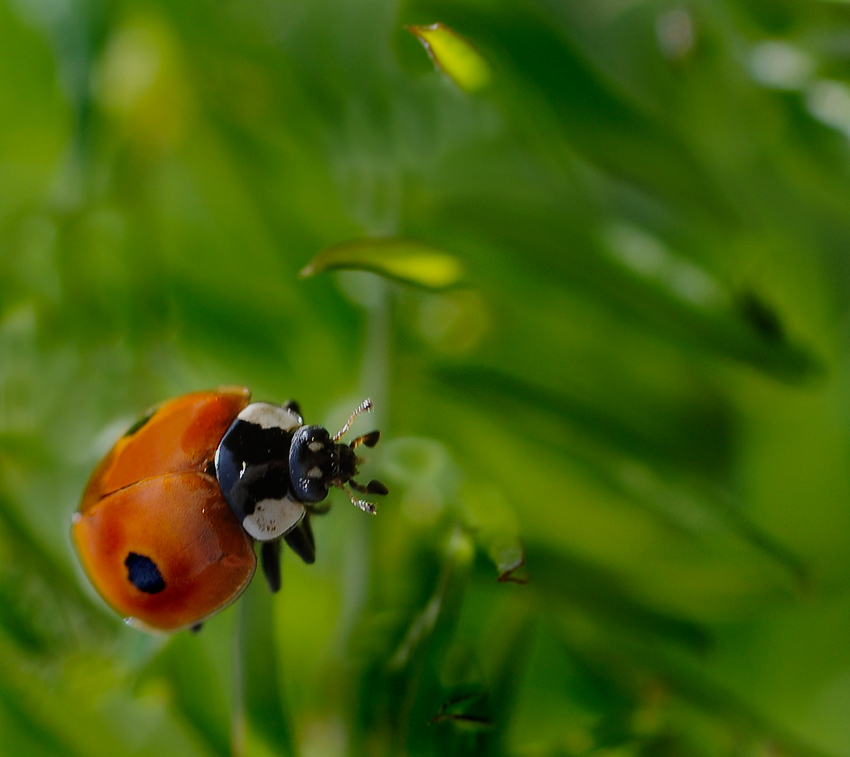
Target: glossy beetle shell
(154,500)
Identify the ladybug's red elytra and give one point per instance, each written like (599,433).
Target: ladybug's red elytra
(167,523)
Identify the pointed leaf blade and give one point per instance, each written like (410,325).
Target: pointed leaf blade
(454,55)
(399,259)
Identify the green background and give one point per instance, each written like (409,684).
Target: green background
(641,384)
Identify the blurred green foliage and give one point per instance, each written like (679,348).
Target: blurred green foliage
(608,351)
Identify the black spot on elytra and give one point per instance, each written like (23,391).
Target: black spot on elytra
(144,574)
(139,423)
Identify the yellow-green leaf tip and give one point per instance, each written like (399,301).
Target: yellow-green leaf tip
(454,55)
(403,260)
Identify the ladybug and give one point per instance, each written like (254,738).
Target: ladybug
(167,523)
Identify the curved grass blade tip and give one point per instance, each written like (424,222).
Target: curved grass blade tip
(403,260)
(454,55)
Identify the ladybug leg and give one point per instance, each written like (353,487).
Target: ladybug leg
(301,541)
(196,628)
(370,440)
(373,487)
(270,559)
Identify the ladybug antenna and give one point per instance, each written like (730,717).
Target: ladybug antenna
(347,463)
(373,487)
(366,507)
(363,407)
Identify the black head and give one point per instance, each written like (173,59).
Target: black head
(317,461)
(312,463)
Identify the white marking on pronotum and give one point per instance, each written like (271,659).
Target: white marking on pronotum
(272,518)
(315,446)
(266,415)
(314,472)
